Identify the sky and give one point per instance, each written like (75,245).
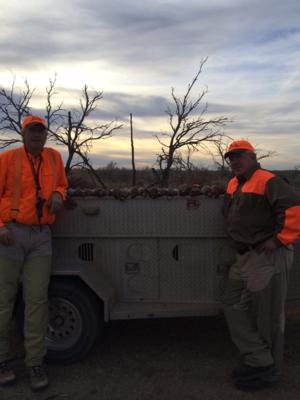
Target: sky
(135,51)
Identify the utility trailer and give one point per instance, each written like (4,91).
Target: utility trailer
(136,258)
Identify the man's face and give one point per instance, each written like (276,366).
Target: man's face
(241,163)
(34,138)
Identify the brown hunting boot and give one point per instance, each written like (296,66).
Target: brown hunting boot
(38,377)
(7,375)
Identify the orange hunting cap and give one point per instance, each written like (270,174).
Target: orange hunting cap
(239,146)
(33,119)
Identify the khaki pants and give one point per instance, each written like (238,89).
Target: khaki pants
(29,260)
(254,305)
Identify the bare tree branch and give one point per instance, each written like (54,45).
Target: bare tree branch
(266,154)
(14,105)
(188,128)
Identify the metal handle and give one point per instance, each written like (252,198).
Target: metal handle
(175,252)
(91,210)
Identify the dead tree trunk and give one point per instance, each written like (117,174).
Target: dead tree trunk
(132,153)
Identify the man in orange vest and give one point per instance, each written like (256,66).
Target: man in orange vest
(32,189)
(263,220)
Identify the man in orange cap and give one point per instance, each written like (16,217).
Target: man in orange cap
(263,220)
(32,188)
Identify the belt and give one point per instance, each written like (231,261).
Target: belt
(243,248)
(14,221)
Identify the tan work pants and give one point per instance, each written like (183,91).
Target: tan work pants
(254,305)
(29,261)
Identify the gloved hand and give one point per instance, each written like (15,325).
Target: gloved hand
(6,237)
(55,203)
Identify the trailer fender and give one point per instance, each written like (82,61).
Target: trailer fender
(102,288)
(97,282)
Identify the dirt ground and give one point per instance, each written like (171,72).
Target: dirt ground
(167,359)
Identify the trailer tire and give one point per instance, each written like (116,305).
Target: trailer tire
(75,321)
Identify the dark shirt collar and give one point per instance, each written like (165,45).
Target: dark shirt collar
(34,158)
(247,175)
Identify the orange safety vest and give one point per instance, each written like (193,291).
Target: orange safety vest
(17,160)
(17,186)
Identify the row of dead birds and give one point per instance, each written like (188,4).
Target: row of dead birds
(152,192)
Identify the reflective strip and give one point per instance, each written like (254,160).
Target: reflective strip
(17,163)
(232,185)
(256,184)
(258,181)
(291,228)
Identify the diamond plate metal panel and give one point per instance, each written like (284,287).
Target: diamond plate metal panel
(140,272)
(150,250)
(190,276)
(179,217)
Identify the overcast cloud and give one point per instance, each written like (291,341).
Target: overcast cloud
(137,50)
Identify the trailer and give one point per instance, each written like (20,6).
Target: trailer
(136,258)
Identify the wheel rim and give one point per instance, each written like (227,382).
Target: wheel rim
(65,325)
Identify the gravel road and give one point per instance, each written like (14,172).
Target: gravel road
(167,359)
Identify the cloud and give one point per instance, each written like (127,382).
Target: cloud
(136,51)
(136,33)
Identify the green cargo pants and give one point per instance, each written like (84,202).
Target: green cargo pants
(254,305)
(27,260)
(35,279)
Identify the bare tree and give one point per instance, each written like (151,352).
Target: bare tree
(14,104)
(69,128)
(188,128)
(218,154)
(184,163)
(85,164)
(72,130)
(54,115)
